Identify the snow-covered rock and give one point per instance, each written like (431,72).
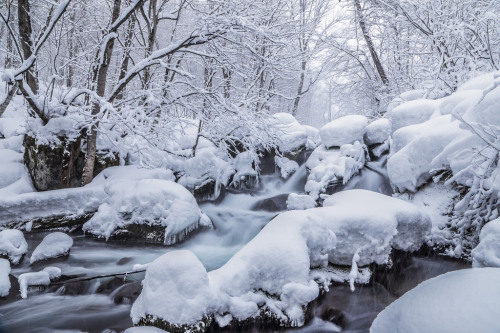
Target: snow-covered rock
(293,136)
(378,131)
(175,290)
(460,301)
(54,272)
(406,97)
(13,245)
(284,267)
(333,165)
(313,138)
(4,277)
(144,329)
(297,201)
(56,244)
(157,210)
(26,280)
(286,166)
(344,130)
(246,175)
(487,252)
(413,112)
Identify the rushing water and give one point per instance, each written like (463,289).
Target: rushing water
(104,304)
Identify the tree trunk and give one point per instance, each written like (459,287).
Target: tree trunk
(100,75)
(126,53)
(25,34)
(299,89)
(369,43)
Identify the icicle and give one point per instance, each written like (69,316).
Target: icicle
(354,269)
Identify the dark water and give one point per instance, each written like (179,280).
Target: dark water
(103,304)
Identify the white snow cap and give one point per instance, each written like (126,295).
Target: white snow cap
(287,167)
(413,112)
(378,131)
(293,136)
(147,201)
(41,278)
(56,244)
(13,244)
(461,301)
(344,130)
(297,201)
(4,277)
(174,289)
(487,253)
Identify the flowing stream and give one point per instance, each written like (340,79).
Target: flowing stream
(103,304)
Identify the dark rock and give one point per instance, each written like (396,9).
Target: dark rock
(128,293)
(335,316)
(14,294)
(110,285)
(124,261)
(210,191)
(273,204)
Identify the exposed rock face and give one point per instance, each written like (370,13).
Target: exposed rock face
(54,167)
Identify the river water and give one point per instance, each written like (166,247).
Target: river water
(103,304)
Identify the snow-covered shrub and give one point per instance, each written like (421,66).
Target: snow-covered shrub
(344,130)
(460,301)
(284,267)
(13,245)
(157,210)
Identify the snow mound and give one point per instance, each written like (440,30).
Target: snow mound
(297,201)
(26,280)
(175,289)
(54,272)
(487,252)
(287,167)
(10,127)
(460,301)
(244,164)
(344,130)
(144,329)
(13,245)
(293,136)
(412,112)
(4,277)
(132,172)
(285,266)
(56,244)
(313,138)
(378,131)
(148,202)
(334,165)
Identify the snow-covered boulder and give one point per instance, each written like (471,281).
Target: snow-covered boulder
(286,166)
(284,267)
(333,165)
(487,252)
(344,130)
(148,209)
(54,245)
(131,172)
(297,201)
(486,112)
(144,329)
(313,138)
(378,131)
(413,112)
(406,97)
(460,301)
(4,277)
(176,291)
(246,176)
(13,245)
(293,136)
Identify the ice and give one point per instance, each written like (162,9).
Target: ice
(460,301)
(283,268)
(413,112)
(327,166)
(298,201)
(56,244)
(4,277)
(344,130)
(13,245)
(293,136)
(286,166)
(154,202)
(378,131)
(175,289)
(487,252)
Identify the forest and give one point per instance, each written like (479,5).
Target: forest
(249,166)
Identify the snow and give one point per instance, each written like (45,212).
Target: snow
(487,252)
(54,272)
(56,244)
(293,136)
(13,245)
(332,165)
(132,172)
(412,112)
(480,82)
(378,131)
(313,138)
(460,301)
(286,166)
(344,130)
(144,329)
(4,277)
(284,267)
(41,278)
(175,289)
(298,201)
(243,164)
(154,202)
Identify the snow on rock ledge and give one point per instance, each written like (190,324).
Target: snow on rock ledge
(378,131)
(344,130)
(292,134)
(4,277)
(149,209)
(460,301)
(281,270)
(487,252)
(54,245)
(13,245)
